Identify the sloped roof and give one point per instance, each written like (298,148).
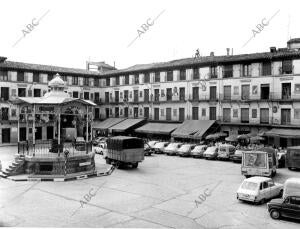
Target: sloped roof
(52,100)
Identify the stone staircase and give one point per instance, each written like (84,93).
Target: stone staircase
(15,168)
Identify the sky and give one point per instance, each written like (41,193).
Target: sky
(69,32)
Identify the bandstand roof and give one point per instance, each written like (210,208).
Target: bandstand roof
(52,100)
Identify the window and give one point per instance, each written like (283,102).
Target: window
(168,114)
(74,80)
(22,92)
(182,74)
(169,94)
(247,70)
(4,113)
(195,73)
(254,113)
(287,67)
(285,116)
(181,114)
(50,77)
(85,81)
(226,114)
(86,95)
(162,112)
(3,75)
(286,91)
(107,81)
(195,113)
(126,95)
(227,71)
(182,93)
(36,77)
(126,80)
(156,94)
(169,75)
(5,93)
(245,115)
(235,113)
(195,93)
(106,97)
(75,94)
(96,82)
(146,112)
(156,113)
(97,113)
(146,95)
(227,92)
(203,113)
(136,95)
(37,92)
(147,77)
(212,92)
(117,96)
(157,77)
(264,91)
(136,112)
(245,92)
(212,113)
(266,68)
(264,115)
(96,97)
(295,200)
(117,80)
(117,112)
(20,77)
(136,79)
(213,72)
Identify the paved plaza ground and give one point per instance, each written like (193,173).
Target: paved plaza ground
(160,193)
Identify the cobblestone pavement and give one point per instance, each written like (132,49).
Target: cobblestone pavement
(160,193)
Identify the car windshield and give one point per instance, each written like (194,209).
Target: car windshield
(185,147)
(198,147)
(222,149)
(249,185)
(211,149)
(151,143)
(173,145)
(160,144)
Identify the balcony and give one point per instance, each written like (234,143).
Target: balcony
(203,98)
(273,96)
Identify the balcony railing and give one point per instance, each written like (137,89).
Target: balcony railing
(272,96)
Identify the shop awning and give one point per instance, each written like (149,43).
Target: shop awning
(126,124)
(157,128)
(283,133)
(107,123)
(193,129)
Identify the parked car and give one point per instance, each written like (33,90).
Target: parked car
(289,205)
(147,150)
(198,151)
(259,189)
(172,148)
(159,147)
(151,144)
(225,151)
(211,152)
(237,156)
(185,150)
(98,140)
(100,148)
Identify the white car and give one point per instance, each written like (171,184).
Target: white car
(198,151)
(159,147)
(211,152)
(172,148)
(259,189)
(100,148)
(185,150)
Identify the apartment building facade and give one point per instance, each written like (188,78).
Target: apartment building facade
(244,93)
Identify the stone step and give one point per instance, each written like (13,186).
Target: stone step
(3,175)
(12,167)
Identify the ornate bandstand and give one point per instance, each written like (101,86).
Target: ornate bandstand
(55,135)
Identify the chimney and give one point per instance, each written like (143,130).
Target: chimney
(228,51)
(272,49)
(212,53)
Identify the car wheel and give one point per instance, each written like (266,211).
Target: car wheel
(275,214)
(135,165)
(290,168)
(108,161)
(262,201)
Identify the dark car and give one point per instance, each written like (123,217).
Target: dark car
(288,207)
(98,140)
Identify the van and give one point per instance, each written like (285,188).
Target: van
(289,205)
(292,160)
(225,151)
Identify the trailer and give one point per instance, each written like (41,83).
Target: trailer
(124,150)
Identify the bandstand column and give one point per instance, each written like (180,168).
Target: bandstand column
(33,125)
(18,124)
(59,128)
(87,125)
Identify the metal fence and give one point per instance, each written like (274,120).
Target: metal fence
(51,148)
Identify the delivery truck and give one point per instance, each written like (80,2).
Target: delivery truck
(124,150)
(259,162)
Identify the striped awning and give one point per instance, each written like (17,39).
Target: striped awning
(157,128)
